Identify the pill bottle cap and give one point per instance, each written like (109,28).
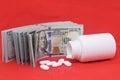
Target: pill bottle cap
(73,49)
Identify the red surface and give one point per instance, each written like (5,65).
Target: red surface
(97,16)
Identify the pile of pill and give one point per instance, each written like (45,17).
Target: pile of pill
(45,64)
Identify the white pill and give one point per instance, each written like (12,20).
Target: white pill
(49,64)
(59,63)
(60,60)
(44,67)
(69,56)
(53,62)
(44,62)
(67,63)
(56,64)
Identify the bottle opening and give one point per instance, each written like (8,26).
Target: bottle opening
(69,50)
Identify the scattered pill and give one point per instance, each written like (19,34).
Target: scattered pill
(44,67)
(53,62)
(67,63)
(44,62)
(56,64)
(49,64)
(69,56)
(60,60)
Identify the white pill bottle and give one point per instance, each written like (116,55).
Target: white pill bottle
(92,47)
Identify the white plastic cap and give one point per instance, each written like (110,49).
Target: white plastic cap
(73,49)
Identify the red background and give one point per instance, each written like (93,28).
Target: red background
(97,17)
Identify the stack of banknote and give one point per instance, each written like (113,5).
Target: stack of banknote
(27,44)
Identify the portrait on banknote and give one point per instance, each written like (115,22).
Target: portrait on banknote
(42,44)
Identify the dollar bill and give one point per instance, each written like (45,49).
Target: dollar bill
(59,23)
(20,37)
(21,43)
(41,46)
(8,45)
(3,46)
(18,41)
(31,44)
(9,51)
(53,40)
(26,47)
(16,44)
(60,37)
